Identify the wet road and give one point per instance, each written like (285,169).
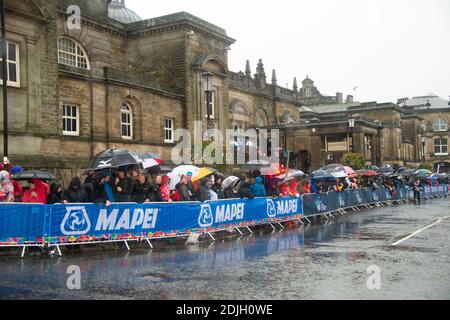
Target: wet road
(321,261)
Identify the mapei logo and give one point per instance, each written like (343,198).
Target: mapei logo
(76,222)
(206,218)
(271,209)
(341,201)
(320,205)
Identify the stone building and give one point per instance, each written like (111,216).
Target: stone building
(426,123)
(110,79)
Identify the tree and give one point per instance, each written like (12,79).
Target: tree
(354,160)
(426,165)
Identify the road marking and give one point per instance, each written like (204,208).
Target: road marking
(420,230)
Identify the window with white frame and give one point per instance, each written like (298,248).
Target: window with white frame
(71,120)
(12,65)
(441,147)
(168,130)
(126,121)
(440,125)
(213,98)
(72,54)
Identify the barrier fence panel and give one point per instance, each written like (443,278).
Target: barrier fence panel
(89,222)
(28,224)
(22,224)
(316,204)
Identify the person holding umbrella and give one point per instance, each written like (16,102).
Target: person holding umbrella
(18,190)
(76,193)
(123,187)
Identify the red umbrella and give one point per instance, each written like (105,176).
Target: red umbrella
(370,173)
(349,171)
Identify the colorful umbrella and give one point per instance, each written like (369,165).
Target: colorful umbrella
(186,170)
(348,170)
(150,160)
(202,173)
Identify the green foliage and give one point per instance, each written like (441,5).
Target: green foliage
(220,167)
(354,160)
(426,165)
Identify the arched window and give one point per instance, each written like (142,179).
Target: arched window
(72,54)
(126,121)
(440,125)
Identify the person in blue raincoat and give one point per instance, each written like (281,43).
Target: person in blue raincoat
(258,189)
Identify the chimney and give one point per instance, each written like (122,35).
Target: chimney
(339,98)
(402,100)
(349,99)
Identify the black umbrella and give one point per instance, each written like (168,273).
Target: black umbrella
(159,169)
(385,170)
(33,174)
(114,158)
(331,166)
(321,175)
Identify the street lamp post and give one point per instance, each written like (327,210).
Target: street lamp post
(423,140)
(207,78)
(5,85)
(351,124)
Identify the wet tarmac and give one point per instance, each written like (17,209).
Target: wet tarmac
(322,261)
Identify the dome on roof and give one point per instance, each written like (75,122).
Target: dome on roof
(118,11)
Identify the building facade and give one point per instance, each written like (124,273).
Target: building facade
(110,79)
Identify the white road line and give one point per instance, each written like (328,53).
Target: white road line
(420,230)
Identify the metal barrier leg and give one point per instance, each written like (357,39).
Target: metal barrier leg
(307,220)
(23,251)
(126,244)
(300,220)
(59,250)
(280,225)
(149,243)
(273,227)
(209,234)
(249,229)
(239,231)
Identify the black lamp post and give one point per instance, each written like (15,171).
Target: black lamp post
(351,124)
(207,78)
(5,85)
(424,140)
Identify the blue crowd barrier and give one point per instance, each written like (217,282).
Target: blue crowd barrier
(27,224)
(24,224)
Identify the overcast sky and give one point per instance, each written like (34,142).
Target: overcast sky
(388,49)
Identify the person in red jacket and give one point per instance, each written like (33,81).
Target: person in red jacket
(285,190)
(165,189)
(36,193)
(307,187)
(293,187)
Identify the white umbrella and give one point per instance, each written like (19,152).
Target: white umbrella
(174,180)
(230,181)
(186,169)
